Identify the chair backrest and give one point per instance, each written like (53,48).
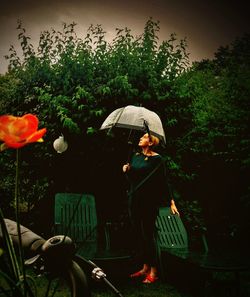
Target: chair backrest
(171,231)
(75,216)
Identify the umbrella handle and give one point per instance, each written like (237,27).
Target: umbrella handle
(147,129)
(130,143)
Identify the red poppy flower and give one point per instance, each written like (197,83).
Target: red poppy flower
(16,132)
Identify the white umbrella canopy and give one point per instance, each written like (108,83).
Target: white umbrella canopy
(137,118)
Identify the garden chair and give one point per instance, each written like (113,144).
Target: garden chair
(172,239)
(75,216)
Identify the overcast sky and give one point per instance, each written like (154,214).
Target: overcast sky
(207,25)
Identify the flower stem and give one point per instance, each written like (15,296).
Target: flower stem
(15,271)
(18,222)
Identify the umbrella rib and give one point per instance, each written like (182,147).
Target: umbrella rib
(119,116)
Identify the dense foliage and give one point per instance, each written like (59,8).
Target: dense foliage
(72,84)
(217,146)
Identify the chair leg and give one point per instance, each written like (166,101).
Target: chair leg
(107,236)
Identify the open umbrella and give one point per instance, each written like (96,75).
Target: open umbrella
(137,118)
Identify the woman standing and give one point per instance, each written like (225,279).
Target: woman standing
(147,178)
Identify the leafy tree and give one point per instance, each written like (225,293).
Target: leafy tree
(72,84)
(216,145)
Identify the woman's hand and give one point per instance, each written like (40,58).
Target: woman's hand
(126,167)
(174,208)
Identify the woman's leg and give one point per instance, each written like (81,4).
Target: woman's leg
(150,254)
(143,224)
(138,241)
(148,236)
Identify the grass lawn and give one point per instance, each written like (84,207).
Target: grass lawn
(224,286)
(158,289)
(128,289)
(221,288)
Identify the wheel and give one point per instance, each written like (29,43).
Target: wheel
(71,283)
(78,281)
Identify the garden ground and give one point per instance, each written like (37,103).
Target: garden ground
(223,286)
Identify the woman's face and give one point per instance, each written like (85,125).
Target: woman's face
(144,141)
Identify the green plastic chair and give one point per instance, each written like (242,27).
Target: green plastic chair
(75,216)
(171,231)
(172,238)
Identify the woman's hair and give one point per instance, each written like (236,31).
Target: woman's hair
(155,140)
